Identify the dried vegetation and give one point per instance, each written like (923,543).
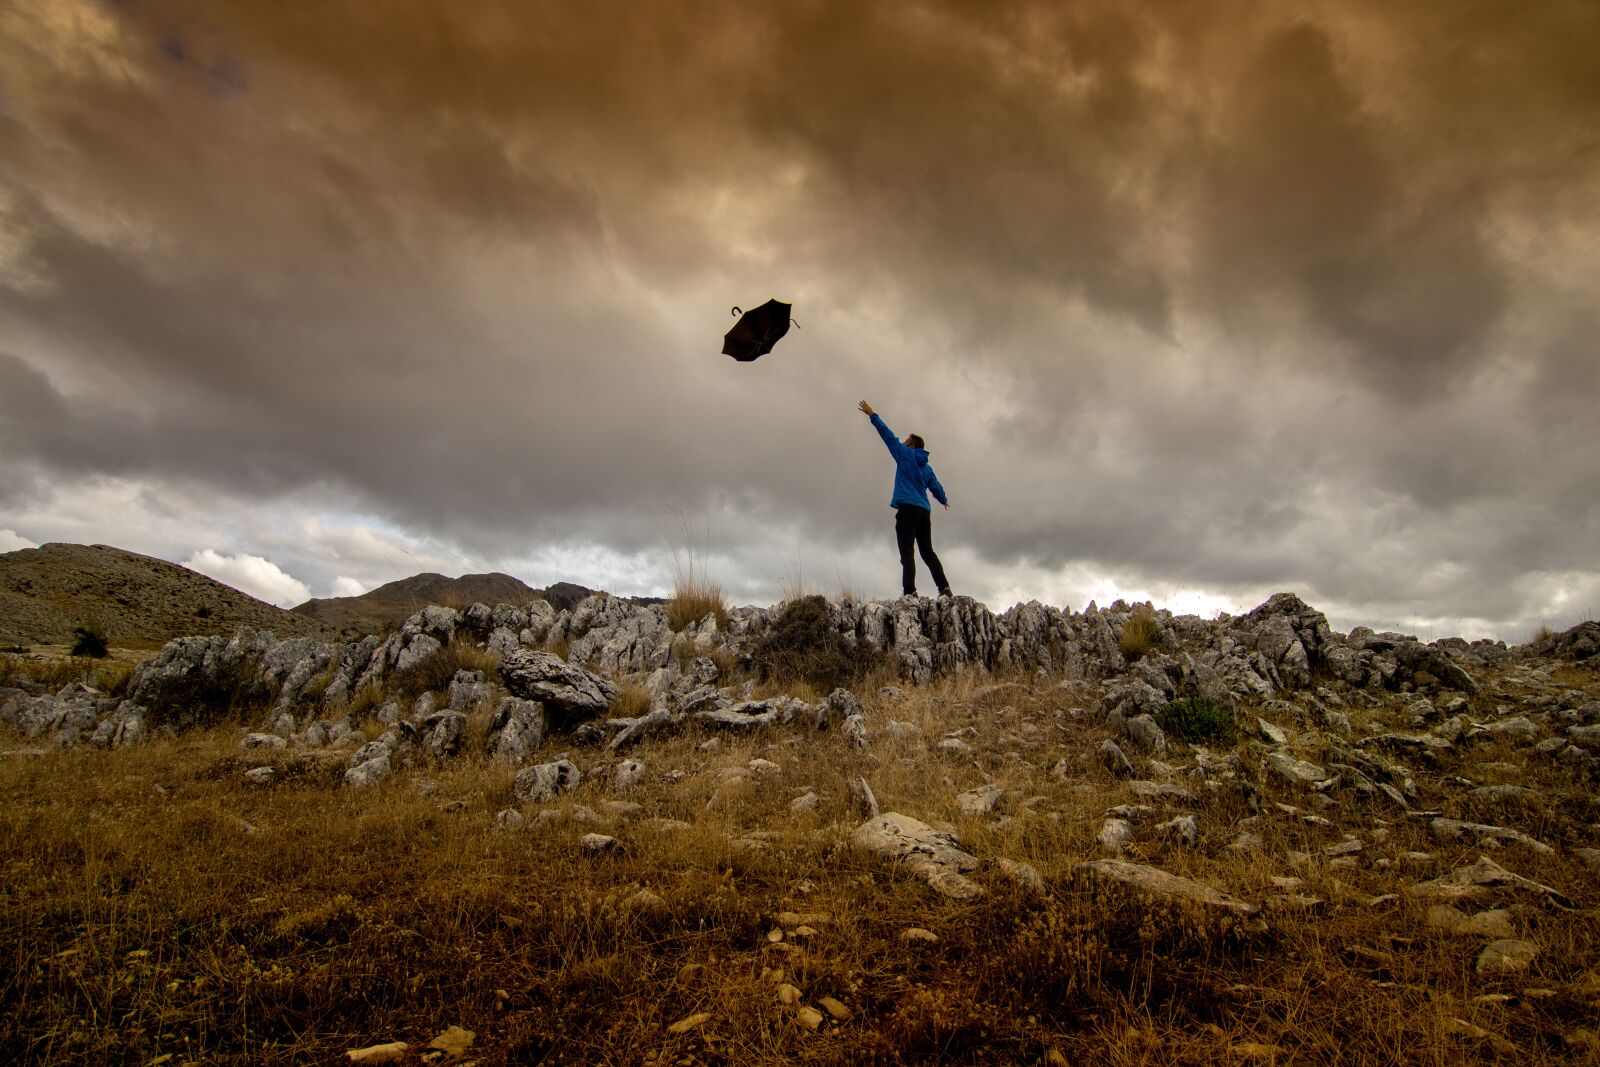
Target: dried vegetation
(158,905)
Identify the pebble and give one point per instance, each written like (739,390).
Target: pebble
(600,844)
(835,1008)
(1506,956)
(683,1026)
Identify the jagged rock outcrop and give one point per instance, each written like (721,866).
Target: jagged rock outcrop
(1276,650)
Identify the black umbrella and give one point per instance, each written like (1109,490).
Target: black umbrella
(757,331)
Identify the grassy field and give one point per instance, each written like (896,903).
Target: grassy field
(160,908)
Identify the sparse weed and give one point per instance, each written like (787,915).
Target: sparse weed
(694,594)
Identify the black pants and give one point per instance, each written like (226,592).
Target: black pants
(915,525)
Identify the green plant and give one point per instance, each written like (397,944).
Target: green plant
(89,640)
(1196,718)
(1140,634)
(804,646)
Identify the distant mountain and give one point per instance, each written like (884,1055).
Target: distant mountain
(139,601)
(390,605)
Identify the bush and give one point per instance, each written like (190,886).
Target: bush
(89,640)
(1140,634)
(803,646)
(1196,718)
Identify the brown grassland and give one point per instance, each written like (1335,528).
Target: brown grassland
(160,909)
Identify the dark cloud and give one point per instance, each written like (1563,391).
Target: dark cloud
(1194,295)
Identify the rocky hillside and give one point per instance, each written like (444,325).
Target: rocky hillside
(1116,835)
(387,606)
(139,601)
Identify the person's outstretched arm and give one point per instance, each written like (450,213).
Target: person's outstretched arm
(936,489)
(884,432)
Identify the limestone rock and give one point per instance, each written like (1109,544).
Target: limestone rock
(1294,771)
(933,855)
(368,772)
(546,781)
(1508,956)
(980,801)
(563,688)
(1154,884)
(515,730)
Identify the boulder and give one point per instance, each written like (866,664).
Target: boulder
(442,733)
(1153,885)
(368,772)
(935,856)
(515,730)
(546,781)
(563,688)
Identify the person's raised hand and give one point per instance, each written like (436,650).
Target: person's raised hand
(866,408)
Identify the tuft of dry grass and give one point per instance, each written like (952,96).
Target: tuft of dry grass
(694,594)
(630,702)
(692,600)
(1140,634)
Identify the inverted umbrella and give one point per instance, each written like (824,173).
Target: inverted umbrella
(757,331)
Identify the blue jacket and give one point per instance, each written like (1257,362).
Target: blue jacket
(912,475)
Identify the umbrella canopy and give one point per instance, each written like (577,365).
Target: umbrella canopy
(756,331)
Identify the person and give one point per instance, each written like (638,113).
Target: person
(913,519)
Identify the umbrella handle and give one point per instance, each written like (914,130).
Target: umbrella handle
(736,312)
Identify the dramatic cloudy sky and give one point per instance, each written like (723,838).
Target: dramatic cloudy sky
(1194,300)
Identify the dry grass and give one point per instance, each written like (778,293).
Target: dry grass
(1140,634)
(693,599)
(224,923)
(694,594)
(434,674)
(50,671)
(630,702)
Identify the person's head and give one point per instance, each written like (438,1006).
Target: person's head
(914,441)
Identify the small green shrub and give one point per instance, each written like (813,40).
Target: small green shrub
(89,640)
(1196,718)
(803,646)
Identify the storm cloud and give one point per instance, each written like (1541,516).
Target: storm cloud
(1191,301)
